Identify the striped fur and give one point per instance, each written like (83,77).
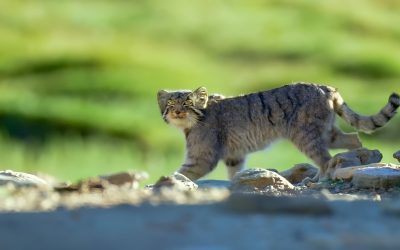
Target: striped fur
(219,128)
(367,124)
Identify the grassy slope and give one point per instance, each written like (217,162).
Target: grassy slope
(96,66)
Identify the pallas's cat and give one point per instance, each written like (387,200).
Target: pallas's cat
(218,128)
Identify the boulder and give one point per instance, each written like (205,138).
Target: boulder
(299,172)
(176,181)
(377,176)
(397,155)
(259,179)
(355,157)
(21,179)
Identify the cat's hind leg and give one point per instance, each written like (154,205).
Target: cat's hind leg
(338,139)
(311,142)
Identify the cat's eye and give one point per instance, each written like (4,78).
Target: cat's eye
(170,102)
(188,102)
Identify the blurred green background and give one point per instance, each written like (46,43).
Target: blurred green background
(78,79)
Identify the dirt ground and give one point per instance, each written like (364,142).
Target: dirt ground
(331,215)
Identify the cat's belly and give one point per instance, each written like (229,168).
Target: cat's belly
(240,148)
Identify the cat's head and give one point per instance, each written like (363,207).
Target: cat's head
(182,108)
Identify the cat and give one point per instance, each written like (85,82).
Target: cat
(219,128)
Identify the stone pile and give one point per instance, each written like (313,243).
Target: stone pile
(351,172)
(362,168)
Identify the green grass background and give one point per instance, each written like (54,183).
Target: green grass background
(78,79)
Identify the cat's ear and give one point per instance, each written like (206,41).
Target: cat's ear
(162,98)
(201,96)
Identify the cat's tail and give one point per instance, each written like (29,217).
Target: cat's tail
(366,124)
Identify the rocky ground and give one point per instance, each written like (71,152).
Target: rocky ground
(358,209)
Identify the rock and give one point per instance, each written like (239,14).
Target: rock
(299,172)
(84,186)
(125,178)
(397,155)
(21,179)
(176,181)
(377,176)
(258,179)
(355,157)
(346,173)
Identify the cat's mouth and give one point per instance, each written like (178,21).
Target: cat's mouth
(182,120)
(179,116)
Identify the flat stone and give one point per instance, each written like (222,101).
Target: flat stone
(377,177)
(21,179)
(352,158)
(345,173)
(176,181)
(259,179)
(348,172)
(397,155)
(299,172)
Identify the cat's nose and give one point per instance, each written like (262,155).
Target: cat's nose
(177,112)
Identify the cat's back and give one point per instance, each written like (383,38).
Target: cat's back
(248,122)
(277,107)
(281,97)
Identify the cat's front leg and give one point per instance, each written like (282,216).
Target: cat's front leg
(202,153)
(195,168)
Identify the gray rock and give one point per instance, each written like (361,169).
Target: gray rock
(176,181)
(346,173)
(21,179)
(258,179)
(397,155)
(355,157)
(377,177)
(299,172)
